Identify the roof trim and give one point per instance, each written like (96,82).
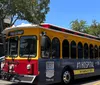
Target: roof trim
(19,27)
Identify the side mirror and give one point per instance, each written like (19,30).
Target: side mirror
(43,42)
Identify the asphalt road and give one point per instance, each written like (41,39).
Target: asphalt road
(86,81)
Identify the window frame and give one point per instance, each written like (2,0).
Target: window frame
(86,51)
(96,52)
(20,43)
(99,52)
(65,48)
(10,55)
(49,48)
(56,49)
(75,49)
(91,53)
(80,50)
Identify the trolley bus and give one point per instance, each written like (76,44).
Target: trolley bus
(46,54)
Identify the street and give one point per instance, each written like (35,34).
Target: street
(86,81)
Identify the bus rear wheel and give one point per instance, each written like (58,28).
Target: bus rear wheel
(66,77)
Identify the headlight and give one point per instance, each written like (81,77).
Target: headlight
(29,66)
(11,66)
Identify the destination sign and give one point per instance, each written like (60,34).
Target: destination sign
(17,32)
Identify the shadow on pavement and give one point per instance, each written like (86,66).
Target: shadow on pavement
(76,82)
(86,80)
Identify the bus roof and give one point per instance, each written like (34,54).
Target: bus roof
(52,27)
(20,26)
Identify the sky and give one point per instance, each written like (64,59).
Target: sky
(62,12)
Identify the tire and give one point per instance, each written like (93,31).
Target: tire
(67,77)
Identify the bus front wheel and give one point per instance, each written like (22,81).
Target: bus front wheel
(66,77)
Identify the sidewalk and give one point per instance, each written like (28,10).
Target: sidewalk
(5,82)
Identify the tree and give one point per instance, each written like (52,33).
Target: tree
(94,29)
(33,11)
(79,25)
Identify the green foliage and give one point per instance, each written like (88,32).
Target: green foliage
(33,11)
(78,25)
(93,29)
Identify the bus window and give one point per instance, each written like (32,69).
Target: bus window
(96,51)
(28,46)
(80,50)
(45,46)
(13,46)
(85,50)
(91,51)
(65,49)
(55,48)
(73,49)
(99,51)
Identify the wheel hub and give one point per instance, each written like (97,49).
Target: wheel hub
(66,77)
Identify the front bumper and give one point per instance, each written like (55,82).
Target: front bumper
(18,78)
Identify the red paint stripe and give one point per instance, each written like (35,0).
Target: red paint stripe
(63,30)
(46,26)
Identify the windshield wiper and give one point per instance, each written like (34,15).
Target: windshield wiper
(25,55)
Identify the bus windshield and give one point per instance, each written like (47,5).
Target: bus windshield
(13,46)
(28,46)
